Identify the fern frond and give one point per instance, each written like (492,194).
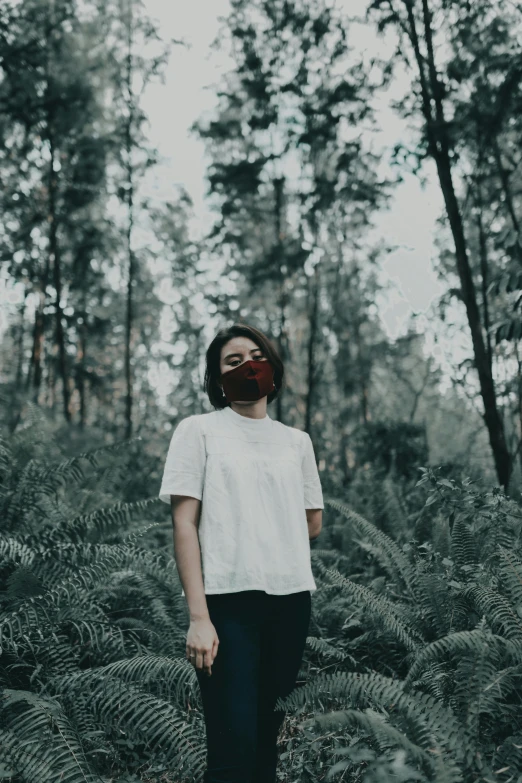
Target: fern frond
(375,724)
(58,474)
(508,755)
(462,544)
(469,642)
(66,555)
(479,687)
(35,429)
(331,556)
(388,613)
(6,458)
(39,480)
(392,558)
(74,590)
(173,679)
(41,743)
(510,571)
(434,601)
(362,639)
(21,500)
(393,506)
(496,537)
(497,609)
(126,705)
(459,612)
(101,521)
(426,713)
(435,679)
(13,550)
(323,647)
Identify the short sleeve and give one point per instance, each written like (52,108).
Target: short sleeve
(184,470)
(313,494)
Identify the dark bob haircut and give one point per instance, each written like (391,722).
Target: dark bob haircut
(213,356)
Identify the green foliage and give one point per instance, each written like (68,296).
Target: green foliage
(412,669)
(94,677)
(384,443)
(435,642)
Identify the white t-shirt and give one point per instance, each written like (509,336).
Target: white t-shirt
(255,478)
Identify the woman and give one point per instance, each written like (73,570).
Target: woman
(246,497)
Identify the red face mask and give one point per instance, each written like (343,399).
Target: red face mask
(248,381)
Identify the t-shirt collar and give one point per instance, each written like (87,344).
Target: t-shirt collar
(245,421)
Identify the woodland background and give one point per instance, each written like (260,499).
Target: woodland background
(412,669)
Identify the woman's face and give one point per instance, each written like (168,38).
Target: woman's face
(237,351)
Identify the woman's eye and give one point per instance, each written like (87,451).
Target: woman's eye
(255,358)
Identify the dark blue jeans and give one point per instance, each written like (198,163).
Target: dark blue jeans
(261,643)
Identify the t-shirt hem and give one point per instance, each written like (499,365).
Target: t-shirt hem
(294,589)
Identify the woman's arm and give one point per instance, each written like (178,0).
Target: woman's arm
(314,517)
(187,552)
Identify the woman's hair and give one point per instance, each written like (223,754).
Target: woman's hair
(213,356)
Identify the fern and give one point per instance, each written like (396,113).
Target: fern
(474,673)
(385,735)
(387,612)
(435,600)
(394,507)
(172,679)
(508,757)
(92,636)
(92,627)
(323,647)
(462,544)
(510,572)
(124,704)
(392,557)
(499,612)
(40,742)
(458,643)
(431,720)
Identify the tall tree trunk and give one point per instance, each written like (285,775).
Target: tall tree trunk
(518,452)
(130,224)
(484,272)
(54,251)
(281,270)
(438,148)
(15,408)
(363,380)
(313,310)
(54,248)
(81,360)
(34,372)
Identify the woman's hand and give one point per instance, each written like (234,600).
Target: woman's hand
(202,644)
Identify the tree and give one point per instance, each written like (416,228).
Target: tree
(46,132)
(135,57)
(286,168)
(435,98)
